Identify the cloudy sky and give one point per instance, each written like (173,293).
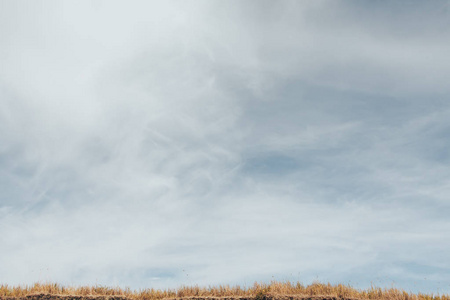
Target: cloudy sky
(167,143)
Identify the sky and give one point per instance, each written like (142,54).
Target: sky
(155,144)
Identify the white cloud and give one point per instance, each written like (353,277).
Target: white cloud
(234,141)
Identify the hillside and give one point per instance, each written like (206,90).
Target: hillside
(272,291)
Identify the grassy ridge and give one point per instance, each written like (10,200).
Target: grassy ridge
(259,291)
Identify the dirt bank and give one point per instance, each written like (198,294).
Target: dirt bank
(63,297)
(265,297)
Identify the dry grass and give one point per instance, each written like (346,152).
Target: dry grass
(259,291)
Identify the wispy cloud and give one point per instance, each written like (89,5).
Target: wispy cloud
(169,143)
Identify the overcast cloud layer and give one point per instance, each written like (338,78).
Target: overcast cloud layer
(164,143)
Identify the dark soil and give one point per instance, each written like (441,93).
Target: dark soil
(265,297)
(63,297)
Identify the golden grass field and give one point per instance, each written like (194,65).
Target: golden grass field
(259,291)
